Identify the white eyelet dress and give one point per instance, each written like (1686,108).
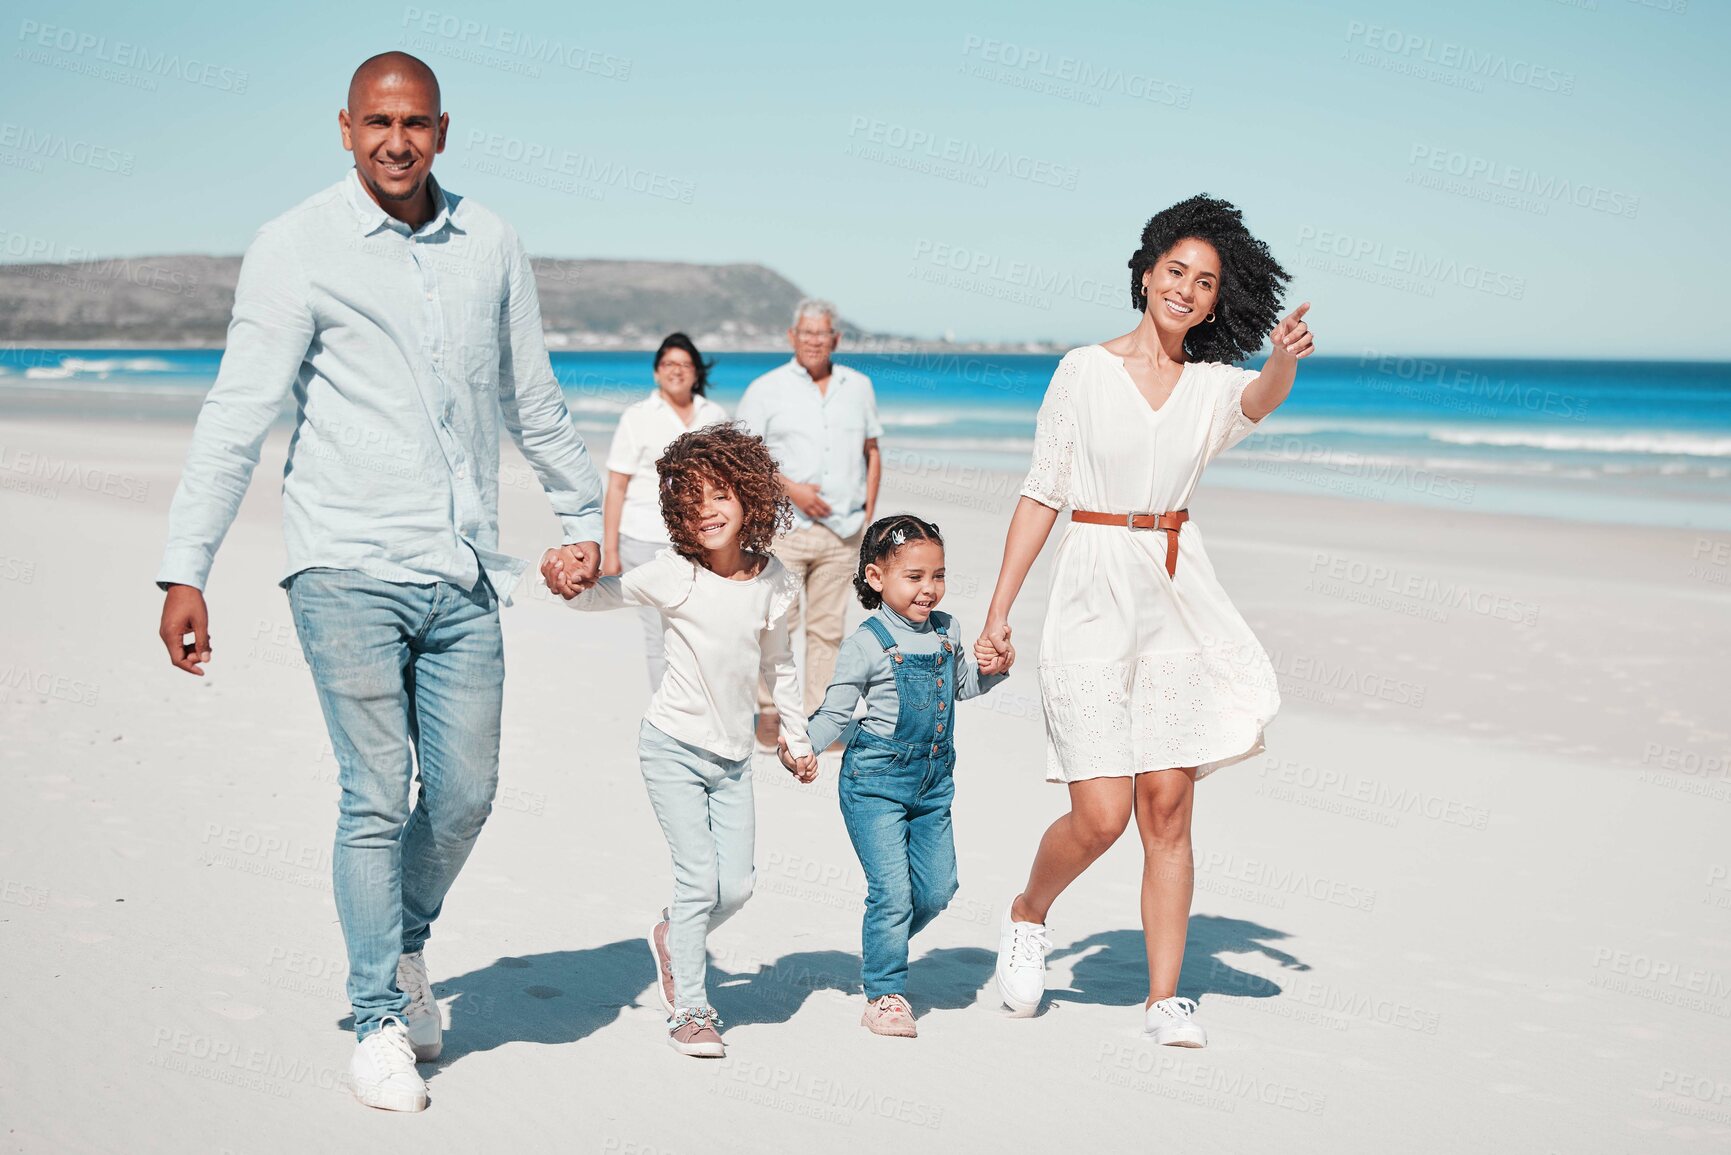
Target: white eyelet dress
(1141,671)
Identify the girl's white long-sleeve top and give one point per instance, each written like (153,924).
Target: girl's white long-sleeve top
(721,635)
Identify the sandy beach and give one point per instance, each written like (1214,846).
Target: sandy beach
(1477,893)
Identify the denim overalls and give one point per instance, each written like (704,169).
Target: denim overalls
(895,798)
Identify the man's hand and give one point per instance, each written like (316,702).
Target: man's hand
(993,650)
(183,613)
(571,569)
(803,768)
(809,498)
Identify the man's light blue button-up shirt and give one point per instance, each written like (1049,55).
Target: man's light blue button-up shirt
(817,436)
(403,350)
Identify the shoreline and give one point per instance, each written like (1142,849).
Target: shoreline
(977,481)
(889,347)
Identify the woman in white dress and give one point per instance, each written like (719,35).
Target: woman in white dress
(632,529)
(1150,679)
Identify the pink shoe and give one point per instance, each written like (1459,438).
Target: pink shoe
(663,963)
(696,1032)
(889,1015)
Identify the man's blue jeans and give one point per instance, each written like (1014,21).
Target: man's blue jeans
(405,674)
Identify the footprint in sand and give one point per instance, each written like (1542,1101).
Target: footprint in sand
(229,1007)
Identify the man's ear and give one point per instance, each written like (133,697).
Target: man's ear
(874,577)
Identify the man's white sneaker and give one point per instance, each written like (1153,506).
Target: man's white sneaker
(1168,1023)
(426,1033)
(383,1070)
(1021,972)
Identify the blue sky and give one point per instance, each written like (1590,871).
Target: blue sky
(1524,177)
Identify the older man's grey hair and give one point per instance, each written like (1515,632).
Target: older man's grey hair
(814,307)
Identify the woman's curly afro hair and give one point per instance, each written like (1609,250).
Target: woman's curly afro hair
(1251,280)
(727,456)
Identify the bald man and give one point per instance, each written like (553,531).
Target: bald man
(403,320)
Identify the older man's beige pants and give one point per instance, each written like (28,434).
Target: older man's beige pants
(824,565)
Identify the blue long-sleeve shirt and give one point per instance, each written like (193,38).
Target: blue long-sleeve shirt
(863,668)
(403,349)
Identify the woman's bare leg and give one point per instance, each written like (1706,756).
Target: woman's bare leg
(1164,800)
(1099,811)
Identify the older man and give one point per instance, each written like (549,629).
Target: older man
(821,422)
(404,320)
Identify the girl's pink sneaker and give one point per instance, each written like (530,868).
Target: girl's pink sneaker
(696,1031)
(889,1015)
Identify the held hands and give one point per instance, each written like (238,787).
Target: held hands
(1291,337)
(805,769)
(183,613)
(571,569)
(809,498)
(993,650)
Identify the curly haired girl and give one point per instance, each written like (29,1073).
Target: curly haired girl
(723,602)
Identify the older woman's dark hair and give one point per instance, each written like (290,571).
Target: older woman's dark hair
(1251,280)
(702,367)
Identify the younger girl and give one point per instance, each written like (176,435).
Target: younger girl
(898,772)
(723,602)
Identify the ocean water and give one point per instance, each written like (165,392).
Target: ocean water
(1632,442)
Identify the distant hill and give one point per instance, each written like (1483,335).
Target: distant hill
(185,300)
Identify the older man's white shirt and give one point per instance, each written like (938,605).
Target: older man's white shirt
(818,436)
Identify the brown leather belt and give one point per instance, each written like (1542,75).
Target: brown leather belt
(1170,522)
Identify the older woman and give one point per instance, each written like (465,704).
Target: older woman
(1150,679)
(634,532)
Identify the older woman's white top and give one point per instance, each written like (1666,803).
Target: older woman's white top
(645,431)
(1141,671)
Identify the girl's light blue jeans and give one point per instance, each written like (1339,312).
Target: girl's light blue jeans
(704,804)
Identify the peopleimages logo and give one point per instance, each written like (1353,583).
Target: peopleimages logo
(515,42)
(1475,62)
(24,679)
(925,144)
(580,167)
(125,54)
(1412,262)
(1069,76)
(58,146)
(1543,187)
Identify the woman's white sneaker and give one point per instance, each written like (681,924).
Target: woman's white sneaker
(1168,1023)
(383,1070)
(1021,971)
(426,1033)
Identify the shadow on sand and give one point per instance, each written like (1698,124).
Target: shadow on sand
(1111,967)
(565,996)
